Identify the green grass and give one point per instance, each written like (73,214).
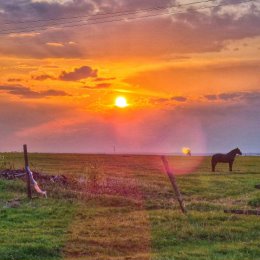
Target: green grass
(35,229)
(136,216)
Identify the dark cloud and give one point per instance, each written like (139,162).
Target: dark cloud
(98,86)
(78,74)
(140,4)
(26,92)
(43,77)
(162,100)
(211,97)
(52,93)
(104,79)
(248,97)
(230,96)
(14,80)
(158,100)
(179,99)
(168,100)
(30,10)
(252,97)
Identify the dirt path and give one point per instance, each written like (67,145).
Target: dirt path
(113,224)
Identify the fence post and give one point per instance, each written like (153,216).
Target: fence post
(174,184)
(29,191)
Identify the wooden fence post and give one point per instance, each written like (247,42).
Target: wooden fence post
(174,184)
(26,163)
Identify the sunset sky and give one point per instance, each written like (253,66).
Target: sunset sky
(190,74)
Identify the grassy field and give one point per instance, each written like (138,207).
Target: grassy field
(123,207)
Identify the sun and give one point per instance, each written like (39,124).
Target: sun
(121,102)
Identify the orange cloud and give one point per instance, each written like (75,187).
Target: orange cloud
(55,44)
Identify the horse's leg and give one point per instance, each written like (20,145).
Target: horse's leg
(213,165)
(230,166)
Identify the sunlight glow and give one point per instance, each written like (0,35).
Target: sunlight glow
(121,102)
(186,151)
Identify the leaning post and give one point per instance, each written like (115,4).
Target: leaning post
(174,184)
(29,191)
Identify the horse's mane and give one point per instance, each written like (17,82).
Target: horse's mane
(233,151)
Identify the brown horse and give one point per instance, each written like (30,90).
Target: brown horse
(225,158)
